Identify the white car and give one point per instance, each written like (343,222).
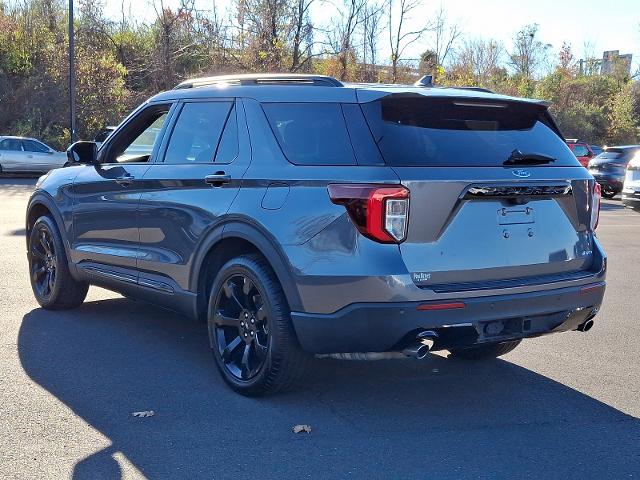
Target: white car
(28,155)
(631,188)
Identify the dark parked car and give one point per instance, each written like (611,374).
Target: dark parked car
(596,149)
(298,215)
(609,168)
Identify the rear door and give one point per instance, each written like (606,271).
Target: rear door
(474,217)
(186,194)
(12,157)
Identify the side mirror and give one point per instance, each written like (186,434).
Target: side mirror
(83,152)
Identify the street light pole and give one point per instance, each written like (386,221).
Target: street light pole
(72,75)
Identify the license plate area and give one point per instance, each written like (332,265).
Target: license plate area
(516,215)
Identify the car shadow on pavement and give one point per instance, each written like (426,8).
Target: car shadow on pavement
(612,206)
(388,419)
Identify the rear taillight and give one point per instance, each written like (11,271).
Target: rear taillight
(595,205)
(379,212)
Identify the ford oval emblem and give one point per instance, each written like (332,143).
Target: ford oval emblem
(521,173)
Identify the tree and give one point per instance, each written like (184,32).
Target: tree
(372,27)
(446,35)
(528,53)
(398,13)
(479,61)
(342,37)
(624,123)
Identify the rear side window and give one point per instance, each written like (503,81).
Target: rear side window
(12,144)
(413,130)
(32,146)
(311,133)
(197,133)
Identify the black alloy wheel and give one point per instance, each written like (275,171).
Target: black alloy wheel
(250,330)
(241,327)
(44,262)
(51,281)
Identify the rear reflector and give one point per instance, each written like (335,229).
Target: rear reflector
(440,306)
(591,288)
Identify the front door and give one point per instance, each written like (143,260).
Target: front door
(105,238)
(186,194)
(42,158)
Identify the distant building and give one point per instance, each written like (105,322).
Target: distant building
(612,61)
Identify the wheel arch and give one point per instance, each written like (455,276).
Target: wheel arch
(41,204)
(233,239)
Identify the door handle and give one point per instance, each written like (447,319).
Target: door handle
(217,179)
(125,180)
(29,156)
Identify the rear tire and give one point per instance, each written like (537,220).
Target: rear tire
(51,281)
(483,352)
(608,192)
(250,330)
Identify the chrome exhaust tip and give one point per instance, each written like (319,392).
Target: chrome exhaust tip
(586,326)
(418,351)
(424,342)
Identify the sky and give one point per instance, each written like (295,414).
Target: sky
(602,24)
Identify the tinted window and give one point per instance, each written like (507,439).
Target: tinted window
(311,133)
(228,147)
(10,144)
(197,132)
(31,146)
(611,154)
(142,147)
(580,151)
(420,131)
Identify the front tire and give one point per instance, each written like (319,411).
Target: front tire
(250,330)
(484,352)
(51,281)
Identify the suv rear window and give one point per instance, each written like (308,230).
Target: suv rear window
(311,133)
(413,130)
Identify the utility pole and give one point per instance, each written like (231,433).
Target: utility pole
(72,75)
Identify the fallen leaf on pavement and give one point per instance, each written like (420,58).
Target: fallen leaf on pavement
(144,414)
(302,428)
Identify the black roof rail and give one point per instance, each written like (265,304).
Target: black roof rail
(263,79)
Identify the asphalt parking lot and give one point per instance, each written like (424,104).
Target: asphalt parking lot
(565,406)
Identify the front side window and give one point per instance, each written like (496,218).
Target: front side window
(198,134)
(11,144)
(138,139)
(33,146)
(141,148)
(311,133)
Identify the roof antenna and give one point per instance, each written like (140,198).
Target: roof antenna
(426,81)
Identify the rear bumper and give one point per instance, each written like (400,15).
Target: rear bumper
(375,327)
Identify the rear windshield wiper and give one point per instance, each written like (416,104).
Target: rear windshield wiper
(519,158)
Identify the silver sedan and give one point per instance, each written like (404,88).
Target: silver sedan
(28,155)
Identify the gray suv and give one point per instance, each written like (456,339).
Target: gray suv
(298,215)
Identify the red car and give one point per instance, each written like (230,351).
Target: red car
(581,150)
